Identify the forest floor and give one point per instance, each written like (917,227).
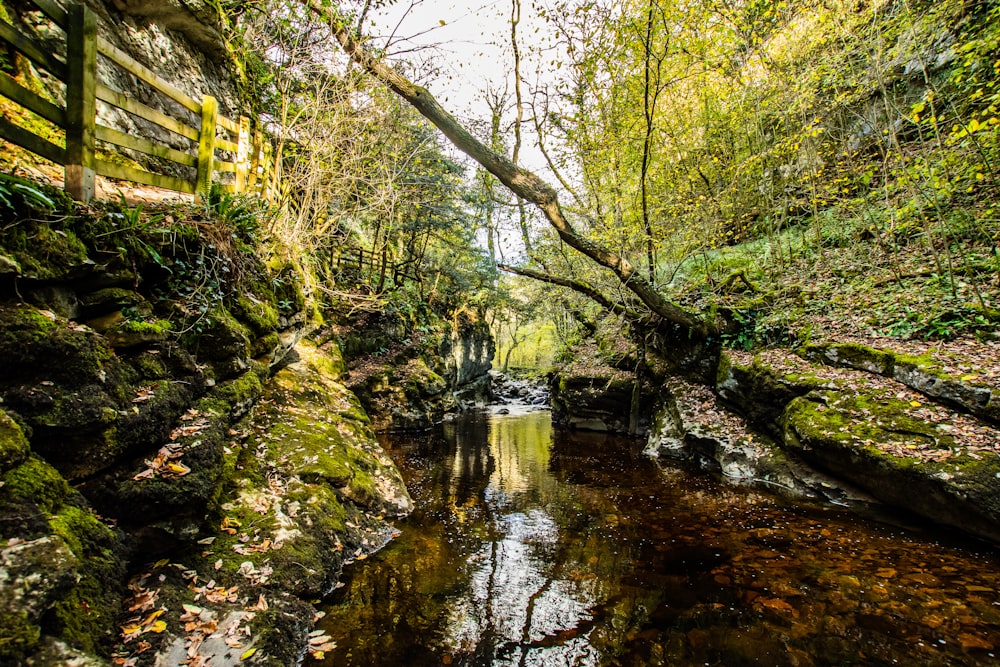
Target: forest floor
(926,293)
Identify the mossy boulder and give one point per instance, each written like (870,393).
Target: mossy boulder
(44,252)
(851,355)
(259,315)
(921,373)
(141,498)
(109,299)
(37,573)
(761,391)
(218,336)
(130,333)
(14,447)
(64,567)
(872,440)
(598,400)
(33,342)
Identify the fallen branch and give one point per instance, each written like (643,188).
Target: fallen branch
(521,182)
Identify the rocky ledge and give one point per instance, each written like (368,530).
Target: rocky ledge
(845,422)
(144,517)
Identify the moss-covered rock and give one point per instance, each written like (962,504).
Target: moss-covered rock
(131,333)
(34,342)
(760,390)
(260,316)
(872,440)
(65,566)
(14,447)
(36,574)
(921,373)
(219,336)
(108,299)
(44,252)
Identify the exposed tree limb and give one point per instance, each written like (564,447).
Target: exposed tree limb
(583,288)
(521,182)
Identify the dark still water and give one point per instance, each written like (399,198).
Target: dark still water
(535,548)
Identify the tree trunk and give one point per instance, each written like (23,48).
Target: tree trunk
(521,182)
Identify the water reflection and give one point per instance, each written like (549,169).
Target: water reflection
(534,549)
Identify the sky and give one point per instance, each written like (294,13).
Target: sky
(468,42)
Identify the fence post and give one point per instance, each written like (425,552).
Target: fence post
(242,155)
(206,148)
(255,160)
(81,101)
(265,174)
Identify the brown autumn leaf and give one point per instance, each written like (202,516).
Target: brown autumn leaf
(971,641)
(776,604)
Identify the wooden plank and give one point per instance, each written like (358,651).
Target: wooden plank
(11,89)
(135,175)
(225,167)
(53,11)
(81,101)
(30,141)
(206,147)
(145,146)
(131,65)
(256,154)
(139,109)
(33,50)
(242,154)
(230,125)
(223,145)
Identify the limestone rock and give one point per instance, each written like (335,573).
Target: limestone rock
(874,441)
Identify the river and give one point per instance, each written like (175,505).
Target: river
(535,547)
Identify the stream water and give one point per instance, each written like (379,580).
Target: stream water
(531,547)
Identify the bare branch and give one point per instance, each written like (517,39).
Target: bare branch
(521,182)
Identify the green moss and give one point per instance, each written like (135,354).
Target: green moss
(852,355)
(149,366)
(724,368)
(222,337)
(85,616)
(924,362)
(239,394)
(261,316)
(327,360)
(265,345)
(871,423)
(13,445)
(18,636)
(158,327)
(38,482)
(31,341)
(44,253)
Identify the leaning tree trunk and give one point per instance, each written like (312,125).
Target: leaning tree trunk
(521,182)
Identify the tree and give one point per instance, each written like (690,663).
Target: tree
(524,183)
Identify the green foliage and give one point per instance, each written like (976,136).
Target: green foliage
(245,215)
(19,196)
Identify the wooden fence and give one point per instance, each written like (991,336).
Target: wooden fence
(252,169)
(355,262)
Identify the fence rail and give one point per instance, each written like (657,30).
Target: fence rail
(252,169)
(353,261)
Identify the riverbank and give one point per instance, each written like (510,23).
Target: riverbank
(179,451)
(912,424)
